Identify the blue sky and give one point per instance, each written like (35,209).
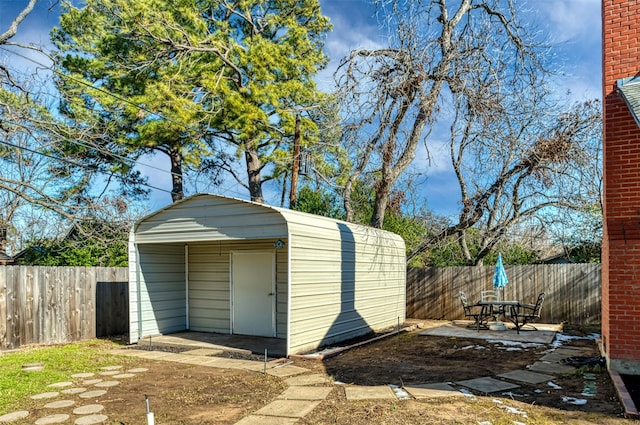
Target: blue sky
(573,26)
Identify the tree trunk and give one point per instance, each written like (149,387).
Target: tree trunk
(177,191)
(380,203)
(253,174)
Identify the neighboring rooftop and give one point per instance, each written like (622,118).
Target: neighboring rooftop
(629,88)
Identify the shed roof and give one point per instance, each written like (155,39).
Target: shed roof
(192,216)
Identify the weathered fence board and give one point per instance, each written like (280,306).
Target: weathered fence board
(45,305)
(572,290)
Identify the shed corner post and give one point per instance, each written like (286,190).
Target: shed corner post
(186,284)
(289,286)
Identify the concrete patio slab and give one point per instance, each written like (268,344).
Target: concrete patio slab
(547,367)
(313,379)
(544,335)
(276,347)
(527,376)
(433,391)
(266,420)
(487,385)
(564,353)
(358,392)
(288,408)
(305,393)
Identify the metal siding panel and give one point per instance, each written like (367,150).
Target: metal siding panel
(133,290)
(209,288)
(347,280)
(209,283)
(282,276)
(162,299)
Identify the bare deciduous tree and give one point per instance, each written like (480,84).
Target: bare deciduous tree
(43,191)
(392,96)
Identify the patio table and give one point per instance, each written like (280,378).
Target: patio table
(508,309)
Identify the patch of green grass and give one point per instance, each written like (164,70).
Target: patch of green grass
(60,362)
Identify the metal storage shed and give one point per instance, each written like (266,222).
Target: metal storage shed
(215,264)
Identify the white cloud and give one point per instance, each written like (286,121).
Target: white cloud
(570,20)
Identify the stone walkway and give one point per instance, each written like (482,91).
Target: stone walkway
(79,392)
(304,393)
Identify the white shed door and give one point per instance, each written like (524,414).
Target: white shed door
(253,288)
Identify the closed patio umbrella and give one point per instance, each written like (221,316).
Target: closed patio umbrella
(500,279)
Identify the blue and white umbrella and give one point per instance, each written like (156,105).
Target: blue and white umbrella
(500,279)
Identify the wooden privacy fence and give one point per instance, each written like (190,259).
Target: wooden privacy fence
(45,305)
(572,290)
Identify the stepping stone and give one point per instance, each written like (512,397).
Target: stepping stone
(60,385)
(51,394)
(433,390)
(305,393)
(138,370)
(91,419)
(33,367)
(93,394)
(91,381)
(109,372)
(76,390)
(83,375)
(88,409)
(289,408)
(369,393)
(487,385)
(13,416)
(114,367)
(52,419)
(527,376)
(59,404)
(285,371)
(313,379)
(107,384)
(545,367)
(123,375)
(266,420)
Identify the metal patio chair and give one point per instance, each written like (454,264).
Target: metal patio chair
(525,313)
(478,313)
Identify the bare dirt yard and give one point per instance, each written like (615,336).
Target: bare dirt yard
(186,394)
(412,359)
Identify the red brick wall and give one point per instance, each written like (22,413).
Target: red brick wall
(621,245)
